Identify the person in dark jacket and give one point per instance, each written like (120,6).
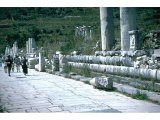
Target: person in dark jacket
(24,65)
(8,62)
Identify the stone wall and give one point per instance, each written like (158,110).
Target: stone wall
(123,64)
(151,74)
(108,60)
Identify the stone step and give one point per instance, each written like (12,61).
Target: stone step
(137,83)
(150,85)
(127,89)
(153,96)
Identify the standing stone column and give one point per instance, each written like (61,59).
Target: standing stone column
(83,31)
(90,33)
(86,36)
(11,52)
(30,44)
(55,65)
(127,23)
(27,46)
(60,60)
(15,49)
(107,28)
(41,63)
(77,31)
(80,30)
(6,51)
(33,45)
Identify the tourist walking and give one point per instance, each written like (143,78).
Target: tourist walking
(4,63)
(24,65)
(8,63)
(1,61)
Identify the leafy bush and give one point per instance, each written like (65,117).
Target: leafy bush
(140,96)
(2,109)
(67,68)
(86,71)
(51,25)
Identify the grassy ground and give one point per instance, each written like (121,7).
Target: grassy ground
(2,109)
(53,30)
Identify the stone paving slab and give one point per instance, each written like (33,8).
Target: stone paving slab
(40,92)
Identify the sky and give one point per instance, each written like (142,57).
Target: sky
(79,3)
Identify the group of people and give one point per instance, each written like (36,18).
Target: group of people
(10,63)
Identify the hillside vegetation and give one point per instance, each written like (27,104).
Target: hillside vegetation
(54,28)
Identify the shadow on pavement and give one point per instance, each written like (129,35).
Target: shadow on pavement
(104,111)
(32,75)
(20,77)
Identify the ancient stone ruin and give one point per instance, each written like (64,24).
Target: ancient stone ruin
(132,61)
(84,31)
(31,53)
(12,51)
